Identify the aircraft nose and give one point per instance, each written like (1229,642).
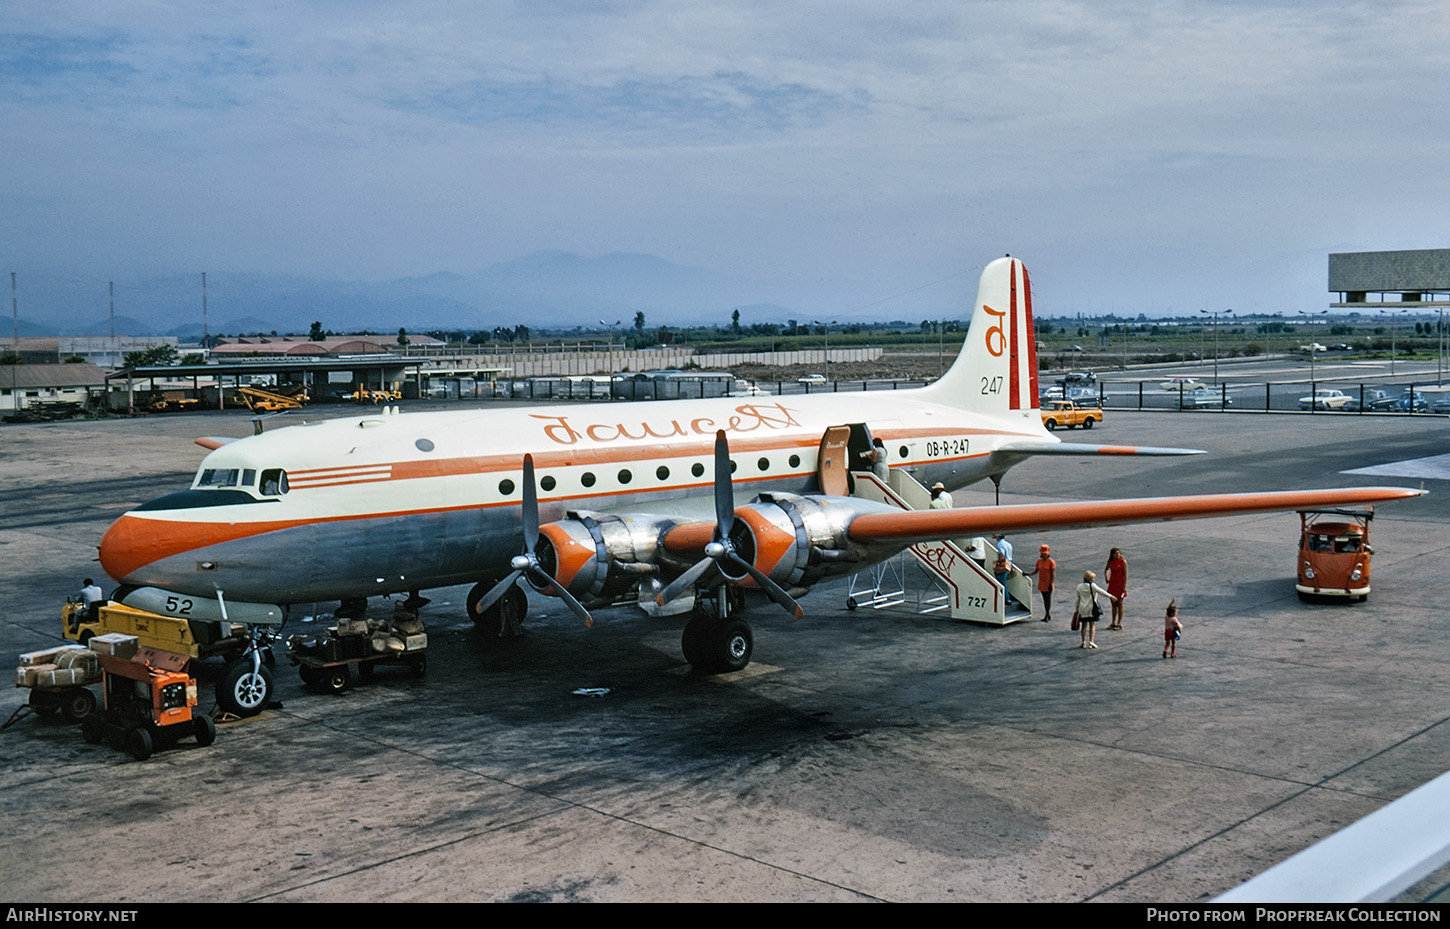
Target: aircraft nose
(119,548)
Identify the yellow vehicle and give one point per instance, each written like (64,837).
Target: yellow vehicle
(1066,413)
(368,395)
(244,687)
(271,401)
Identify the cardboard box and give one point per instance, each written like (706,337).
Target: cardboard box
(115,644)
(26,674)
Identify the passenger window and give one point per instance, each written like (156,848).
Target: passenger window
(274,482)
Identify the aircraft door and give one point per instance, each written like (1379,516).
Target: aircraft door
(832,464)
(844,448)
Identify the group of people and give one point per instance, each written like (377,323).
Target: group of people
(1087,610)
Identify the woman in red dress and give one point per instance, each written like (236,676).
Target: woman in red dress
(1116,574)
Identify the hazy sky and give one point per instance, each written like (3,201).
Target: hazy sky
(1140,157)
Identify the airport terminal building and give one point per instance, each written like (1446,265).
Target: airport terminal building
(1418,278)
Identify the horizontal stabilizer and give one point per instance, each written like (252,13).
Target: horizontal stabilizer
(1079,448)
(910,526)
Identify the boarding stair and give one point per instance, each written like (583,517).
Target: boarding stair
(954,576)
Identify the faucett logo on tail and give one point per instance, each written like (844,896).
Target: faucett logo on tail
(1000,345)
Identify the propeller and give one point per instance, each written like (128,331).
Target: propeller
(722,550)
(527,563)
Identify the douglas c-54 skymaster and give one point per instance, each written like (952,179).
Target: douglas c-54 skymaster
(594,503)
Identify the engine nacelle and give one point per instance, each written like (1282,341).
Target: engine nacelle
(799,541)
(601,557)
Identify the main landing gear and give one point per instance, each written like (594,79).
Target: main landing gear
(715,641)
(504,618)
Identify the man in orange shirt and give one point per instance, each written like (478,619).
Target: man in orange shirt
(1046,571)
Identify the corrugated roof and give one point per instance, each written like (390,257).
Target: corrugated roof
(62,375)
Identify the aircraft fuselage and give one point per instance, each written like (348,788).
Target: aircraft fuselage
(390,502)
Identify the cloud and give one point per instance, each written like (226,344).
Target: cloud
(855,146)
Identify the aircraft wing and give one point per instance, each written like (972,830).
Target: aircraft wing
(1079,448)
(911,526)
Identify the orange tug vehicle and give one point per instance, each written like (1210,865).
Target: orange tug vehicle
(1334,554)
(150,701)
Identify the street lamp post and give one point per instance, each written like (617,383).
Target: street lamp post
(1214,314)
(1309,317)
(609,362)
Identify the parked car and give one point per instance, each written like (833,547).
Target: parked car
(1312,347)
(1324,400)
(1069,414)
(1085,396)
(1341,347)
(1442,405)
(1412,401)
(1373,401)
(1203,397)
(811,379)
(1180,383)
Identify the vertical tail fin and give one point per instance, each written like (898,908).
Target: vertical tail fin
(996,372)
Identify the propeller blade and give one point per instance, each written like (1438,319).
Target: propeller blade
(545,580)
(498,590)
(772,590)
(531,507)
(684,582)
(724,492)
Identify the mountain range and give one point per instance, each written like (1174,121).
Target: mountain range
(546,289)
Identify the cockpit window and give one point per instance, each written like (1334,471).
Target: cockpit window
(219,477)
(274,482)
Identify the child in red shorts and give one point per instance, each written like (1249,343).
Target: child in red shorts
(1171,630)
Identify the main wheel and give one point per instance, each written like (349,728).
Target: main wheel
(242,691)
(717,647)
(204,729)
(139,744)
(77,704)
(505,618)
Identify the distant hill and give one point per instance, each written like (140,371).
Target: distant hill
(543,289)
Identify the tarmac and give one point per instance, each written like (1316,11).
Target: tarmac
(863,755)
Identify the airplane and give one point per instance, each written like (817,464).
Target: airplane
(674,507)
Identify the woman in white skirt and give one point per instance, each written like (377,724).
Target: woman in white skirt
(1088,610)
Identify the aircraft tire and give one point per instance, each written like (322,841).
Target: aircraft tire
(502,620)
(242,693)
(717,647)
(204,729)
